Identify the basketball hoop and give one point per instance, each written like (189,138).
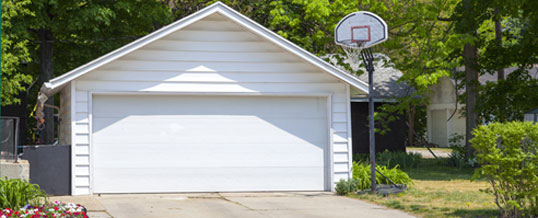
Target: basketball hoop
(356,33)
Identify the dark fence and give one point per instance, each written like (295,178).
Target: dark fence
(50,167)
(393,140)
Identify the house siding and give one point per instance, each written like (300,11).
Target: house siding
(213,55)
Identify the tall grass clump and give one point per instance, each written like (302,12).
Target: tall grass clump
(16,193)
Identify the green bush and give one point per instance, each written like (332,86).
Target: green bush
(508,155)
(16,193)
(361,175)
(392,159)
(344,187)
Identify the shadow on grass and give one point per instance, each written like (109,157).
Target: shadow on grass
(438,169)
(475,213)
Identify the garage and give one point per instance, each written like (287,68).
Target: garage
(208,143)
(213,102)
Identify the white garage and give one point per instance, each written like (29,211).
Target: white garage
(211,103)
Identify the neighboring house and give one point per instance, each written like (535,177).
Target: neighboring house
(444,114)
(212,102)
(386,90)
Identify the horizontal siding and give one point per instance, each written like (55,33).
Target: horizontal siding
(214,26)
(210,77)
(174,66)
(173,45)
(213,36)
(194,56)
(206,87)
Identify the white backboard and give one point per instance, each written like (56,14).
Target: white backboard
(361,29)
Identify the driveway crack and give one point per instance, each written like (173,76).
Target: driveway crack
(235,202)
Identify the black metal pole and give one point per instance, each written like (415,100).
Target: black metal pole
(368,59)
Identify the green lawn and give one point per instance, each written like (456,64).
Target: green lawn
(440,191)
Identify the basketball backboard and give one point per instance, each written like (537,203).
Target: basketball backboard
(361,29)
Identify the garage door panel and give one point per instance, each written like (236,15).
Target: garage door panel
(244,155)
(210,179)
(216,129)
(252,105)
(174,144)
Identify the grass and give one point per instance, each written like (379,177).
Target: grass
(440,191)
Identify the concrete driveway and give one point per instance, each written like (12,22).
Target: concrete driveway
(281,205)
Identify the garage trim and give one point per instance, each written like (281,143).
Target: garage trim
(329,174)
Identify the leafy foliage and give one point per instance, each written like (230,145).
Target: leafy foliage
(361,173)
(403,160)
(14,50)
(344,187)
(16,193)
(508,155)
(457,157)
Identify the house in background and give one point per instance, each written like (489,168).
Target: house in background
(213,102)
(444,114)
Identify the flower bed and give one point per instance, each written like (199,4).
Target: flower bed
(56,210)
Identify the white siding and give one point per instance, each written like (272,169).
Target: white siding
(209,56)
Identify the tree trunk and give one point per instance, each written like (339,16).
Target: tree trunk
(471,92)
(411,126)
(46,73)
(470,58)
(499,40)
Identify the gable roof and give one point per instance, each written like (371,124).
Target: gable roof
(54,85)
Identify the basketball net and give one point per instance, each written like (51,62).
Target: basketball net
(353,52)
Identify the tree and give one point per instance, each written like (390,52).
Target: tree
(14,51)
(82,30)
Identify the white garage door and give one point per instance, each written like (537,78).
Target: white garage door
(150,143)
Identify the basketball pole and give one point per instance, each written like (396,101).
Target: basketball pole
(368,59)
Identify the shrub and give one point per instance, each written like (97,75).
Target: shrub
(361,175)
(508,155)
(344,187)
(392,159)
(16,193)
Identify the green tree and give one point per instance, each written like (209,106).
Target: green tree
(501,34)
(70,33)
(14,50)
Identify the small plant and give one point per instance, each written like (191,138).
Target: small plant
(508,155)
(16,193)
(344,187)
(457,156)
(361,175)
(392,159)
